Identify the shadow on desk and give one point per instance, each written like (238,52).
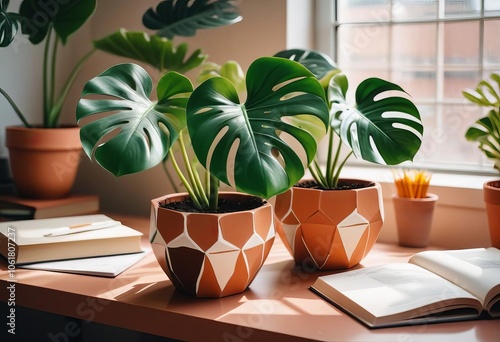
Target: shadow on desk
(34,325)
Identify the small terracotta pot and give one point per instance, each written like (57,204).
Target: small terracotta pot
(43,161)
(491,191)
(329,229)
(414,219)
(212,255)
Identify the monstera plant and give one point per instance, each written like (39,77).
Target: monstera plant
(332,222)
(241,144)
(383,126)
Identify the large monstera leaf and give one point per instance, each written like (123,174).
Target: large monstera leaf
(253,146)
(381,127)
(128,132)
(9,24)
(486,132)
(160,53)
(183,17)
(66,17)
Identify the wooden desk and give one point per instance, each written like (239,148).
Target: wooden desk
(278,306)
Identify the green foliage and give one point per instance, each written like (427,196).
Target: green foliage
(154,50)
(381,127)
(10,23)
(245,145)
(182,17)
(486,130)
(61,21)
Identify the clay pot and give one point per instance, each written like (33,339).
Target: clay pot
(414,219)
(212,255)
(491,191)
(43,161)
(330,229)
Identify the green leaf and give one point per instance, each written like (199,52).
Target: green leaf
(66,17)
(249,146)
(486,131)
(9,24)
(382,127)
(182,17)
(316,62)
(128,132)
(487,93)
(230,70)
(156,51)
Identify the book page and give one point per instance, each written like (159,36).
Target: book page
(106,266)
(404,291)
(477,270)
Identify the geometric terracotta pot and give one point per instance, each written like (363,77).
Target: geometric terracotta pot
(414,219)
(329,229)
(491,191)
(210,255)
(43,161)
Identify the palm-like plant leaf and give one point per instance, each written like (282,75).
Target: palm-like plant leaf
(135,133)
(66,17)
(246,145)
(487,93)
(486,131)
(9,24)
(156,51)
(386,130)
(183,17)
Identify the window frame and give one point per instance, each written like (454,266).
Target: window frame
(324,40)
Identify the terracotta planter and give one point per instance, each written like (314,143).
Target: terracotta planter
(414,219)
(43,161)
(212,255)
(492,200)
(329,229)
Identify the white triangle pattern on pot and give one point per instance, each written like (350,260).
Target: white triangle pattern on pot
(351,230)
(223,256)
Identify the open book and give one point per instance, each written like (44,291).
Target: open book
(434,286)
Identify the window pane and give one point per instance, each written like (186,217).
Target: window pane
(414,10)
(363,46)
(491,7)
(461,43)
(410,49)
(456,81)
(492,43)
(363,10)
(421,85)
(462,8)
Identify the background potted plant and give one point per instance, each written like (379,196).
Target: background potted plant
(169,18)
(486,133)
(43,156)
(330,222)
(208,253)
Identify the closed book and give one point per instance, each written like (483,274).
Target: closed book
(26,241)
(16,208)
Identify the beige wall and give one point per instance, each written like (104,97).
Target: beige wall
(261,32)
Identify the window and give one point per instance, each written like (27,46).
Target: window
(434,49)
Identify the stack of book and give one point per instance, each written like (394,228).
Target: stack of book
(85,244)
(15,208)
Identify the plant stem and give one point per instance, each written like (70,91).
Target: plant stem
(195,180)
(55,112)
(184,181)
(16,109)
(46,80)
